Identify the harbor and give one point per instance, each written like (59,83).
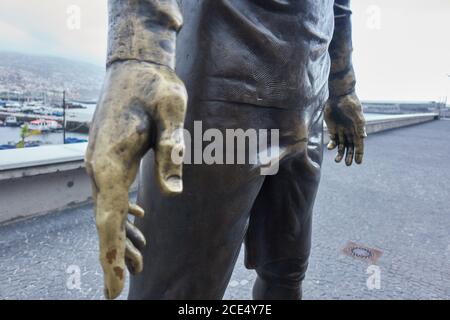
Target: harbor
(36,123)
(11,136)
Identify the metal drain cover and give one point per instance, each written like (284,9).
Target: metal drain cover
(362,252)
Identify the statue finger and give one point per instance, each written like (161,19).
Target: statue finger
(135,210)
(170,146)
(133,258)
(359,150)
(341,146)
(135,236)
(111,211)
(332,143)
(349,155)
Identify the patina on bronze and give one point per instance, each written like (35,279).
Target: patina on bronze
(245,64)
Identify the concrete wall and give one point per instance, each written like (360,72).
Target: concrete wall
(32,195)
(401,107)
(383,125)
(394,122)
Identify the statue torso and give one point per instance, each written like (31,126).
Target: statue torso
(272,53)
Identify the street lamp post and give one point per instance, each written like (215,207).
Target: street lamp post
(64,117)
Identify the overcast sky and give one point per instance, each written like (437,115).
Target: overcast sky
(402,47)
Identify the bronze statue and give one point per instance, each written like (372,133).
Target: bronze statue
(243,64)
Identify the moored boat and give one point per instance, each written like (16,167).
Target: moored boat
(11,121)
(44,125)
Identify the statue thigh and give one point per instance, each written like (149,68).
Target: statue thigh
(194,239)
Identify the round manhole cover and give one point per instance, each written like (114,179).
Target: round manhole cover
(361,252)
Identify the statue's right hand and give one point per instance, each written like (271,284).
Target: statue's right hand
(142,106)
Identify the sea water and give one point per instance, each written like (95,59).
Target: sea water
(12,135)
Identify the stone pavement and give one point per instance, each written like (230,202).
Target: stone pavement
(397,202)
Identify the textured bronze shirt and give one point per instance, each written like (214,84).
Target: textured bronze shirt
(262,52)
(271,53)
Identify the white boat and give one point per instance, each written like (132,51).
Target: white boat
(42,110)
(44,125)
(31,107)
(12,110)
(36,107)
(50,111)
(11,121)
(12,104)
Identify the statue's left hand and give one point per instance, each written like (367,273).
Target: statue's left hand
(346,128)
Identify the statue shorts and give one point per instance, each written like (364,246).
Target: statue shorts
(193,239)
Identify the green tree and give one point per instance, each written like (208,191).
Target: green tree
(24,133)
